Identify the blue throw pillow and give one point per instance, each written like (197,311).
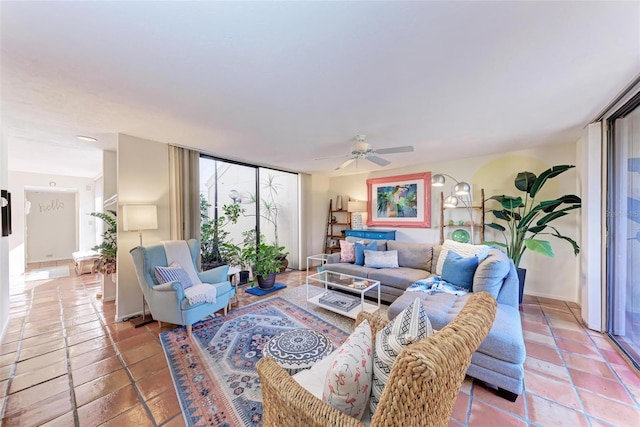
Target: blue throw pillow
(360,248)
(173,274)
(459,271)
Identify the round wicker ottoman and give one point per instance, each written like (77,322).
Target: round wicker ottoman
(298,349)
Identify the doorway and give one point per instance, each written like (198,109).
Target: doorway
(623,222)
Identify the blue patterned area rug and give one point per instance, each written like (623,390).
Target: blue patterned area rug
(214,371)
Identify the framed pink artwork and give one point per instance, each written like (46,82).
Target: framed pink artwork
(400,201)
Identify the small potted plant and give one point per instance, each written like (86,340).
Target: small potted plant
(266,261)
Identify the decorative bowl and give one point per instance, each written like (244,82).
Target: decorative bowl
(461,236)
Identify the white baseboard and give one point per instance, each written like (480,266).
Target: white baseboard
(556,297)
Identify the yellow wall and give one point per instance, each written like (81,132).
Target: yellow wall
(549,277)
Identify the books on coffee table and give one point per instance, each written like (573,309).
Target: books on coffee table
(339,300)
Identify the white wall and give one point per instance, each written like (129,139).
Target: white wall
(51,225)
(4,246)
(143,179)
(495,174)
(19,182)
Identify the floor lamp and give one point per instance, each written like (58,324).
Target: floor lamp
(462,192)
(138,218)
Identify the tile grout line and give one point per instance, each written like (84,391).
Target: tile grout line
(122,362)
(606,361)
(14,365)
(564,363)
(72,390)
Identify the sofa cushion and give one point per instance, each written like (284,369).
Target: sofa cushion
(382,244)
(412,255)
(348,379)
(504,341)
(459,271)
(400,277)
(360,248)
(491,273)
(347,251)
(411,325)
(463,249)
(347,268)
(313,379)
(378,259)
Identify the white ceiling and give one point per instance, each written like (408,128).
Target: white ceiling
(282,83)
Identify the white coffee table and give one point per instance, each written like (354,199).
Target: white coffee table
(353,284)
(317,257)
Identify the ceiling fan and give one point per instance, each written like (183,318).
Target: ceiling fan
(363,150)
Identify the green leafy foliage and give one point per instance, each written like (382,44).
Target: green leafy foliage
(265,259)
(214,245)
(109,247)
(525,219)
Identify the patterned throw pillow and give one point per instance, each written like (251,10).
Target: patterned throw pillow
(348,381)
(173,274)
(411,325)
(465,250)
(381,259)
(347,251)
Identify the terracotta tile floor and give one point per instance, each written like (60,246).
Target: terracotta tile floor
(64,361)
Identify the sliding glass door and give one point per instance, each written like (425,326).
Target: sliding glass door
(623,248)
(266,201)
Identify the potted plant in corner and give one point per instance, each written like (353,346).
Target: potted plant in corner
(526,219)
(108,249)
(266,261)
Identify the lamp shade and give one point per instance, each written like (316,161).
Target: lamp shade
(356,206)
(462,188)
(450,202)
(437,180)
(140,217)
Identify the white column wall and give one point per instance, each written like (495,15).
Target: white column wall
(143,179)
(4,246)
(591,259)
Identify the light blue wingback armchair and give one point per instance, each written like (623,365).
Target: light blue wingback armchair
(167,301)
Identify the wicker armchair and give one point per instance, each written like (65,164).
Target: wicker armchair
(422,388)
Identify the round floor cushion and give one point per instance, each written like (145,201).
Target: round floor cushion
(298,349)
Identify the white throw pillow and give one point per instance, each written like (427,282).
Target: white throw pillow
(411,325)
(381,259)
(348,381)
(465,250)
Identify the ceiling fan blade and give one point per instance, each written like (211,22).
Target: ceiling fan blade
(347,163)
(378,160)
(404,149)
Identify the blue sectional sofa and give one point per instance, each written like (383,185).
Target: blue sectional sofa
(499,361)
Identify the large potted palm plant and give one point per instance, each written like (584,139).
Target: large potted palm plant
(527,219)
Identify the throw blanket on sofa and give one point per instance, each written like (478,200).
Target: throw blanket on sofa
(179,255)
(434,285)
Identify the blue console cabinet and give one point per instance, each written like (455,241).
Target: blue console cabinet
(372,234)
